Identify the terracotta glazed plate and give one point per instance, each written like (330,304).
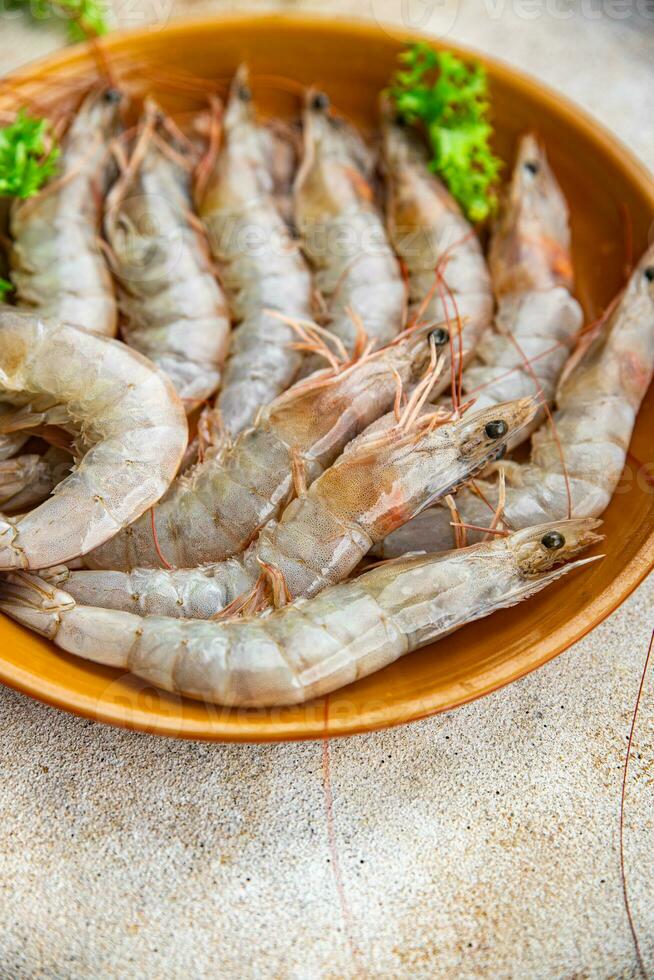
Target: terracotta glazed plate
(603,183)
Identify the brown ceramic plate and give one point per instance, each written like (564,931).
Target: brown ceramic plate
(602,182)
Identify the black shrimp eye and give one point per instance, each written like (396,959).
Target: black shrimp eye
(496,429)
(649,273)
(553,540)
(320,101)
(532,167)
(440,336)
(113,96)
(245,93)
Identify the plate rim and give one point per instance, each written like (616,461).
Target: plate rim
(601,606)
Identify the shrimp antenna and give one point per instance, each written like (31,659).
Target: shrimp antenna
(460,529)
(551,422)
(314,339)
(208,160)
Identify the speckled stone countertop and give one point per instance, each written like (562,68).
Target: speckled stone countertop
(483,843)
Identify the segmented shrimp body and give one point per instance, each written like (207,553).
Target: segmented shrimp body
(261,267)
(313,646)
(129,426)
(342,232)
(597,402)
(382,480)
(447,276)
(531,270)
(216,508)
(172,308)
(57,264)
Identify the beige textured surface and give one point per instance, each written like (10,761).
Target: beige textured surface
(481,843)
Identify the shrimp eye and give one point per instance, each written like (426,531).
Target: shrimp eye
(245,93)
(320,101)
(496,429)
(553,540)
(649,273)
(532,167)
(112,96)
(440,336)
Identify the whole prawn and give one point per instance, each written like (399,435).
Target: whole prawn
(261,267)
(216,508)
(342,233)
(576,463)
(313,646)
(129,426)
(57,264)
(383,479)
(172,308)
(447,276)
(531,270)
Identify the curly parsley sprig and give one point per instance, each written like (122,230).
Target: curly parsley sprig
(28,156)
(5,287)
(449,98)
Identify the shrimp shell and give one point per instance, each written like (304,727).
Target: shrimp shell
(381,480)
(342,233)
(57,265)
(216,508)
(447,276)
(313,646)
(173,309)
(261,267)
(130,427)
(598,400)
(531,269)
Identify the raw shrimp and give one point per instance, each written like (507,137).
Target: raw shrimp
(381,480)
(215,509)
(313,646)
(598,399)
(531,271)
(173,309)
(342,232)
(261,267)
(447,275)
(27,480)
(57,264)
(130,433)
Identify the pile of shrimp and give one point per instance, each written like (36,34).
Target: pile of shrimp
(260,384)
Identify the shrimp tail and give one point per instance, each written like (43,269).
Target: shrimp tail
(34,602)
(100,635)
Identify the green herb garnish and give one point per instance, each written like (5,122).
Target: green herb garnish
(5,287)
(450,99)
(85,18)
(28,156)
